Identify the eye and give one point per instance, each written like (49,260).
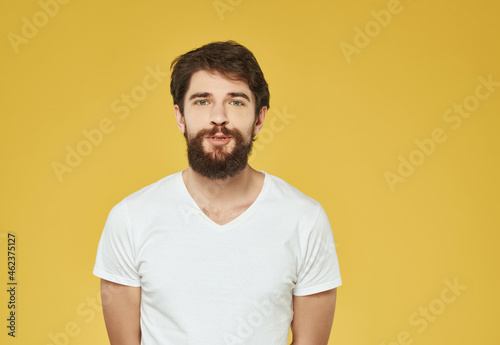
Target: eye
(238,103)
(201,102)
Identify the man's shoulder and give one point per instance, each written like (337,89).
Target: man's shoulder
(290,204)
(291,195)
(161,189)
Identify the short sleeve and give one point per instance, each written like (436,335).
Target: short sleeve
(115,260)
(319,270)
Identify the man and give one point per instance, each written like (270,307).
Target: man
(218,253)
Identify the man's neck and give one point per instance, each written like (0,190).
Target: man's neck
(220,192)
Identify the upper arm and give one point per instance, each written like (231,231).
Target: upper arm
(121,306)
(313,317)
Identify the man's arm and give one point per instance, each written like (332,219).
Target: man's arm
(121,305)
(313,318)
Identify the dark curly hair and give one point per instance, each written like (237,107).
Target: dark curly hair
(230,59)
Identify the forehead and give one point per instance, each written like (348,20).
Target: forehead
(215,83)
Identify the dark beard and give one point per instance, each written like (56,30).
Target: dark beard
(218,164)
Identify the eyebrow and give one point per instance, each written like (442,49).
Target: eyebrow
(207,94)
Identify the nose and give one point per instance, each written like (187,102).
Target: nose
(218,115)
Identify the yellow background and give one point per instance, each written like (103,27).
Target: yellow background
(352,120)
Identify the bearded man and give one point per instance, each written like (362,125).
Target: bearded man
(218,253)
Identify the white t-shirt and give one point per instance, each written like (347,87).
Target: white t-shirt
(204,283)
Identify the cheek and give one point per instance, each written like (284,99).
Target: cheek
(243,122)
(191,126)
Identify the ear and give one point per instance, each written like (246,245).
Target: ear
(259,121)
(180,119)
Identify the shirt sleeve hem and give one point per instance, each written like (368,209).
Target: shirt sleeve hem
(318,288)
(115,279)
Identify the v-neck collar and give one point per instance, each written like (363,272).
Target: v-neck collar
(235,220)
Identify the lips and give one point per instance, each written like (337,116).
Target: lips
(219,139)
(219,136)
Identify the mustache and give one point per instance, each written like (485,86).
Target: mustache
(214,130)
(202,133)
(219,129)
